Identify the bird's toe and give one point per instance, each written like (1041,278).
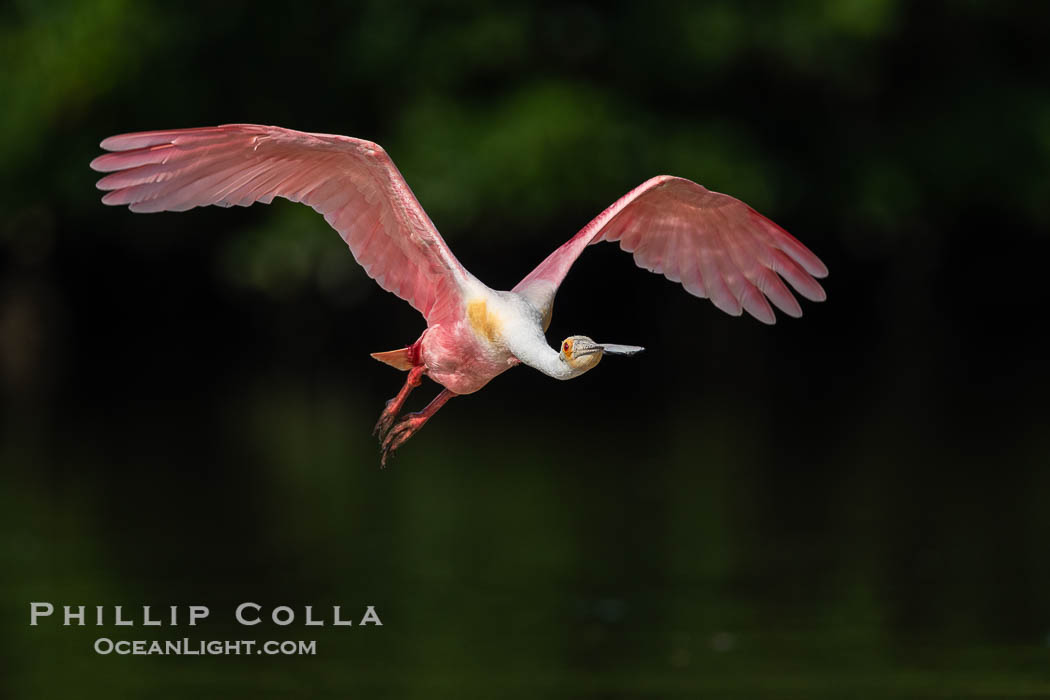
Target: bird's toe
(382,426)
(396,436)
(386,420)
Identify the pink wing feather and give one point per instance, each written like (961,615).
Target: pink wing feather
(352,183)
(716,246)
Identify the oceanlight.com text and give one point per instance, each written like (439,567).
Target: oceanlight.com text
(201,647)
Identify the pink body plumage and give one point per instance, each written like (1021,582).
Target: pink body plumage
(716,246)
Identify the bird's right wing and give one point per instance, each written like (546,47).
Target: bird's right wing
(352,183)
(715,245)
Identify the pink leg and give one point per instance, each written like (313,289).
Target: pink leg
(410,424)
(394,405)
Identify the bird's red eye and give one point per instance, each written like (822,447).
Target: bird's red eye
(566,346)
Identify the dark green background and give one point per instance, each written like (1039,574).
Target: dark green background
(853,504)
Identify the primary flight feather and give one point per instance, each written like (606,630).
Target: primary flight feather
(716,246)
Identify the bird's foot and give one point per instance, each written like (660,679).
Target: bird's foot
(386,420)
(394,405)
(396,436)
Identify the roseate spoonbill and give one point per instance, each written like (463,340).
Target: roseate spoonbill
(716,246)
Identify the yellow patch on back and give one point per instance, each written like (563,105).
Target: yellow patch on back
(484,323)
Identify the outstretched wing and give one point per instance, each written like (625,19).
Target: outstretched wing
(716,246)
(353,183)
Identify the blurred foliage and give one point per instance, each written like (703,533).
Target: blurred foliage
(516,116)
(853,503)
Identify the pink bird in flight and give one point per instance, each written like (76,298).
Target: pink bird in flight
(716,246)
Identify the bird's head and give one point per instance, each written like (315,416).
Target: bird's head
(581,353)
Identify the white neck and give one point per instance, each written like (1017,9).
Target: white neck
(553,366)
(535,353)
(523,335)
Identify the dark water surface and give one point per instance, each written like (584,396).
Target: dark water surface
(597,548)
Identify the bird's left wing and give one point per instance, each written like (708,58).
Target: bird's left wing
(716,246)
(352,183)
